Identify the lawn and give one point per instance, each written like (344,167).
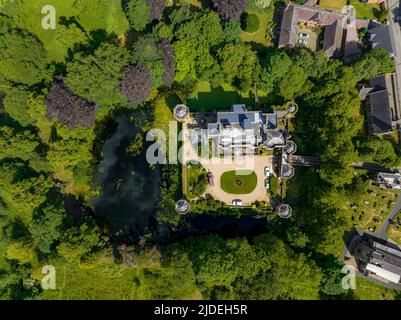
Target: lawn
(238,181)
(366,290)
(394,230)
(262,37)
(333,4)
(370,206)
(365,10)
(206,98)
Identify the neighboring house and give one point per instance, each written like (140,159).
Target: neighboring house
(389,180)
(384,262)
(382,102)
(245,130)
(382,36)
(376,258)
(340,36)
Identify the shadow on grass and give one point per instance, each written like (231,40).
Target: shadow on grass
(218,99)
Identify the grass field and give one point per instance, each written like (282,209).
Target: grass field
(206,98)
(371,209)
(333,4)
(394,230)
(366,290)
(262,37)
(235,183)
(365,10)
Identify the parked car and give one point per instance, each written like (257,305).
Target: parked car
(302,41)
(267,171)
(237,202)
(303,35)
(267,183)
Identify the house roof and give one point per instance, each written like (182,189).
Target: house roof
(380,111)
(382,37)
(274,138)
(333,34)
(294,13)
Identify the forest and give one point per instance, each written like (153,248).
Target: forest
(60,93)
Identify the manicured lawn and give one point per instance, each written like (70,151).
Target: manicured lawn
(238,182)
(206,98)
(333,4)
(261,37)
(365,10)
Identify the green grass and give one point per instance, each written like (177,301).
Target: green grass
(91,14)
(206,98)
(365,10)
(261,38)
(333,4)
(371,208)
(394,230)
(366,290)
(238,182)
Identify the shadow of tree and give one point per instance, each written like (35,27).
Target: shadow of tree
(218,99)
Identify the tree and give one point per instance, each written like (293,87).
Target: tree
(137,83)
(292,82)
(22,58)
(148,51)
(230,9)
(95,77)
(46,224)
(373,63)
(23,189)
(156,9)
(231,31)
(168,63)
(79,241)
(219,262)
(138,14)
(239,65)
(298,276)
(20,144)
(68,108)
(273,68)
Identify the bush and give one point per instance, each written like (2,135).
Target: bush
(250,23)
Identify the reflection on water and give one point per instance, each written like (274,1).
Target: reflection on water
(130,188)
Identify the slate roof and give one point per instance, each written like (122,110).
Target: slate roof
(382,37)
(380,111)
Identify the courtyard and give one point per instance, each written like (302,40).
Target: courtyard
(249,169)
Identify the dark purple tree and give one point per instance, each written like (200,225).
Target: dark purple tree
(168,63)
(230,9)
(156,9)
(68,108)
(137,83)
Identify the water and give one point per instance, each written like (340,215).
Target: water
(130,188)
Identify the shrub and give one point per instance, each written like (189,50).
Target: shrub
(250,23)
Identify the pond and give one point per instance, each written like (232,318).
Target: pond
(130,187)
